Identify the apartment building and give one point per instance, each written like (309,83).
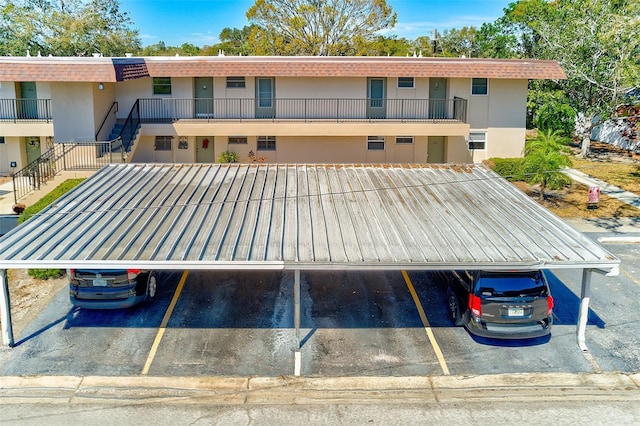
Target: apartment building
(271,109)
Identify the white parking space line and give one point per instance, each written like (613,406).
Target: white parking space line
(163,325)
(427,326)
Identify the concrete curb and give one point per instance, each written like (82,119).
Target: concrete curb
(302,390)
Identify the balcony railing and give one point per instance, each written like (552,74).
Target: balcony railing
(25,110)
(306,110)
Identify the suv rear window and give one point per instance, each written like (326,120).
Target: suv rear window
(511,284)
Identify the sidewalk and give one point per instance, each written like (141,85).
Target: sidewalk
(605,188)
(6,190)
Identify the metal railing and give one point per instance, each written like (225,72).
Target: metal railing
(113,110)
(130,127)
(64,156)
(285,109)
(25,110)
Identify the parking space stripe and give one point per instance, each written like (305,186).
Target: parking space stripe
(631,277)
(163,324)
(425,323)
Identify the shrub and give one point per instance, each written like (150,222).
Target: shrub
(41,204)
(57,192)
(228,157)
(509,168)
(45,274)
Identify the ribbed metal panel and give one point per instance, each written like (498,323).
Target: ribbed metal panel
(300,217)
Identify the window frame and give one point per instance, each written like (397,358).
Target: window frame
(411,138)
(237,140)
(483,141)
(236,82)
(161,85)
(406,79)
(474,87)
(373,141)
(163,140)
(266,143)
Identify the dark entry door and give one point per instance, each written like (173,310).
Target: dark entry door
(265,94)
(204,97)
(377,92)
(28,100)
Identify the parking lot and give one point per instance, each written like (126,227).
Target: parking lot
(232,323)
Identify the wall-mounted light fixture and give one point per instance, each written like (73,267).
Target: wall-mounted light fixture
(100,86)
(49,142)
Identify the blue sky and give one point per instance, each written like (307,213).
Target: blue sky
(199,22)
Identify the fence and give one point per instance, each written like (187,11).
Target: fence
(64,156)
(283,109)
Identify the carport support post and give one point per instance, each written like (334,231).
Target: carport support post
(5,310)
(296,320)
(583,315)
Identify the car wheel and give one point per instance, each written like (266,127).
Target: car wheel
(454,309)
(152,287)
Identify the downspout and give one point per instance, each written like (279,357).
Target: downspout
(5,310)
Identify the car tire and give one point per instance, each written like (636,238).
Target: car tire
(152,287)
(454,308)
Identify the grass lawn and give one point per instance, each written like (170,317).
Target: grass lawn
(608,164)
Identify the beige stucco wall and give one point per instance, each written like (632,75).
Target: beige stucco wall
(315,149)
(10,151)
(73,111)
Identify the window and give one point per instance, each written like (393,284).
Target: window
(163,143)
(266,143)
(479,86)
(1,140)
(404,139)
(237,140)
(235,82)
(405,83)
(477,140)
(161,85)
(375,143)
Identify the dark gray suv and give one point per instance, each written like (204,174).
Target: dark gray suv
(111,288)
(500,304)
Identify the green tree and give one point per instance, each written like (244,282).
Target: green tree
(314,27)
(544,157)
(233,41)
(597,42)
(66,28)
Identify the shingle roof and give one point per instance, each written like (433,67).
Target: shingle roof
(120,69)
(56,69)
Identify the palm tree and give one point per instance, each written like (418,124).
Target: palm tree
(544,157)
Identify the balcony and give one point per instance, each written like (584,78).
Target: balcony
(169,110)
(25,110)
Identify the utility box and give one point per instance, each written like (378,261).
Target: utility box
(594,197)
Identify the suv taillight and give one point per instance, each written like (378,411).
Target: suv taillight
(475,305)
(132,273)
(549,305)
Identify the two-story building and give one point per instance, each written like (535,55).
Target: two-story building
(278,109)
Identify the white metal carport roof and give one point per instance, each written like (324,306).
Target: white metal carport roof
(299,217)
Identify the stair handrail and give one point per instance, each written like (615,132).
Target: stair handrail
(131,126)
(111,109)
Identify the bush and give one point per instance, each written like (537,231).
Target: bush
(509,168)
(57,192)
(45,274)
(556,116)
(41,204)
(228,157)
